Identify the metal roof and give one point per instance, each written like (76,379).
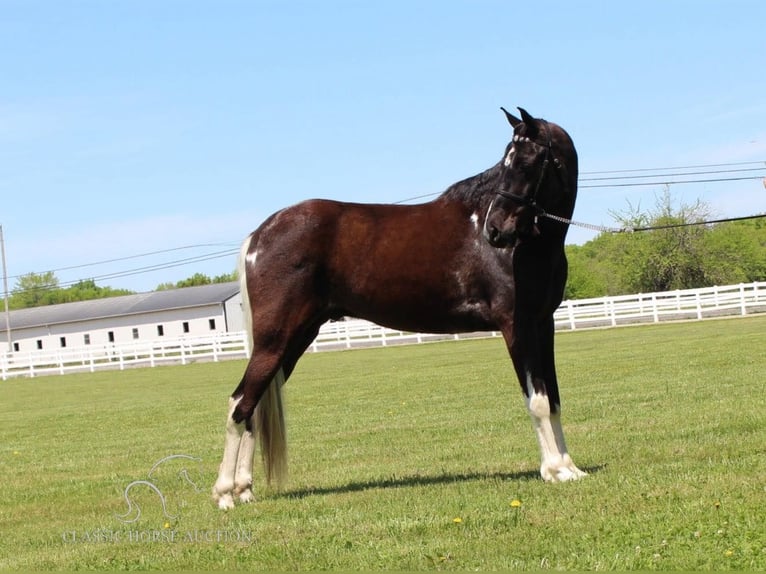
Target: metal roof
(124,305)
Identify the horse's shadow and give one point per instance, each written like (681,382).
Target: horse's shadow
(418,480)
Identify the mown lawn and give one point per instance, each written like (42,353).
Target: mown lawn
(406,458)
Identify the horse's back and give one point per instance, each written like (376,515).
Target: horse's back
(387,263)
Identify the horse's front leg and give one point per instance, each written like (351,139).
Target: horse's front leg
(531,350)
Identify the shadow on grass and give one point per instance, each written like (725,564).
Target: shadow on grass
(417,480)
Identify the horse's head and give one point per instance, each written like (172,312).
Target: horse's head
(539,178)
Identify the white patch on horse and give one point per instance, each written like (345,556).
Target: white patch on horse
(509,158)
(475,220)
(224,484)
(251,257)
(556,464)
(243,477)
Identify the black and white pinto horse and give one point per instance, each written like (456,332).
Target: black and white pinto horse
(486,255)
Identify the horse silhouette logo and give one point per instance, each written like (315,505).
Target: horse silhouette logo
(134,510)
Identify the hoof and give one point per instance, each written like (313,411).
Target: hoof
(225,501)
(562,474)
(246,496)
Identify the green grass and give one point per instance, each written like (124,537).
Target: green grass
(390,447)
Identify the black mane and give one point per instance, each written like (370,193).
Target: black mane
(477,189)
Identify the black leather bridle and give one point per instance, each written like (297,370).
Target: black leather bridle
(531,200)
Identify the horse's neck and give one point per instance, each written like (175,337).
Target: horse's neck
(476,191)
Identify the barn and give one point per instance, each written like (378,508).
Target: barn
(175,313)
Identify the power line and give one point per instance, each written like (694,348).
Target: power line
(676,182)
(616,181)
(118,259)
(677,174)
(701,166)
(136,271)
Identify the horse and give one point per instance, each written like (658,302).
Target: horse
(485,255)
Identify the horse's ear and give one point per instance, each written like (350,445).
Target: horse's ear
(513,120)
(526,117)
(532,126)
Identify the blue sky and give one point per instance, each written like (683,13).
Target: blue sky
(131,126)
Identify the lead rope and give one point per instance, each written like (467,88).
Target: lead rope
(628,229)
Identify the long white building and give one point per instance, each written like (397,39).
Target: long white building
(190,311)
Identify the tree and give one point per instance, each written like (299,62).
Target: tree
(33,290)
(198,279)
(682,257)
(38,289)
(671,258)
(738,250)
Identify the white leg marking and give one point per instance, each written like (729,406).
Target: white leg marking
(224,484)
(243,479)
(556,465)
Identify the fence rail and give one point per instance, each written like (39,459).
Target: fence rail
(690,304)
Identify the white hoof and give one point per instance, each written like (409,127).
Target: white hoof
(563,473)
(225,501)
(246,496)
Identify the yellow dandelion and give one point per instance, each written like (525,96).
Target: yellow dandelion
(16,453)
(457,520)
(166,525)
(717,504)
(515,503)
(729,553)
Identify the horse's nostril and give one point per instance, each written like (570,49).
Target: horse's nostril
(494,237)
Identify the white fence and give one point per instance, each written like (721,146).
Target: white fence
(691,304)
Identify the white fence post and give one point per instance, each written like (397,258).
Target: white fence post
(742,305)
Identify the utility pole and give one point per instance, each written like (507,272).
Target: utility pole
(5,291)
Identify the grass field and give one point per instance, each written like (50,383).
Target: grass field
(406,458)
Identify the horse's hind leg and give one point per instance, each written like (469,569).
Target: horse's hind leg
(233,479)
(243,477)
(243,473)
(235,434)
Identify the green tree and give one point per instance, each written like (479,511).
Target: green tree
(226,277)
(737,251)
(33,290)
(38,289)
(194,280)
(198,279)
(665,259)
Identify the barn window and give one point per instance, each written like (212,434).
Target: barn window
(62,340)
(39,344)
(110,335)
(186,326)
(135,332)
(86,339)
(211,322)
(16,346)
(160,331)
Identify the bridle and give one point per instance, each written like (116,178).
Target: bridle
(531,200)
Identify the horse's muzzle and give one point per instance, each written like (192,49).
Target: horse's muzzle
(497,238)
